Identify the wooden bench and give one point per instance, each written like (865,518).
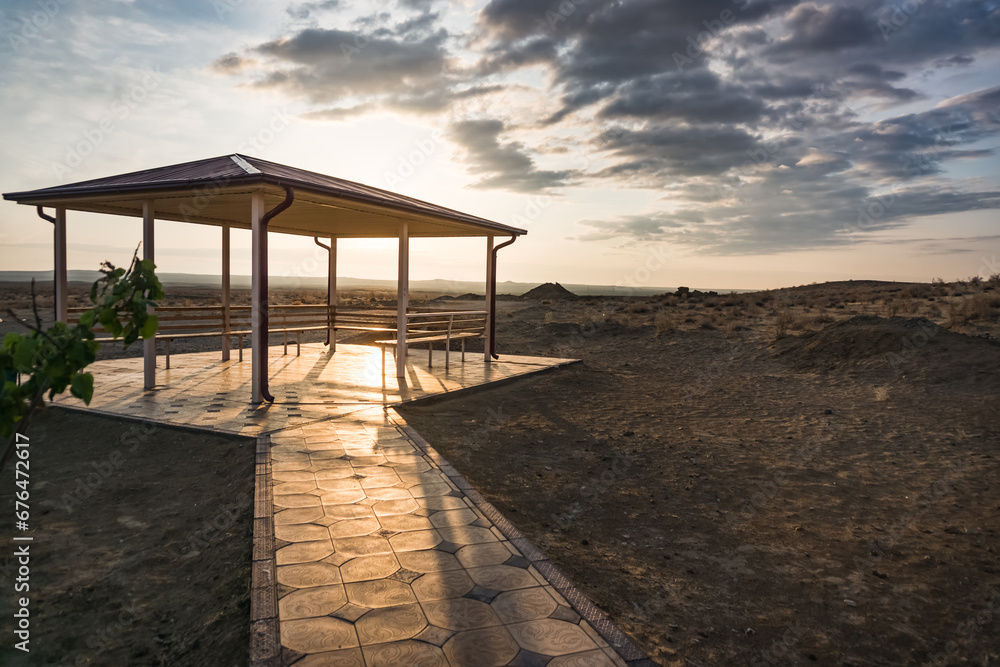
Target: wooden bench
(439,327)
(184,322)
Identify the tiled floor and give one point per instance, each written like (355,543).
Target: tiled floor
(380,553)
(382,560)
(201,390)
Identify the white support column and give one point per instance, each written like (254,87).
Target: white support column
(258,356)
(332,287)
(148,252)
(225,291)
(488,308)
(59,274)
(402,298)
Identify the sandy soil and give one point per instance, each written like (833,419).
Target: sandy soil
(777,478)
(142,545)
(732,497)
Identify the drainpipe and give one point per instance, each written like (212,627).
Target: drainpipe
(289,198)
(329,297)
(493,298)
(43,216)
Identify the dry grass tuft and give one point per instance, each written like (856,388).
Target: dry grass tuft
(664,323)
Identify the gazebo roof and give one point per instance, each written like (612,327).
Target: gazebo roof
(216,191)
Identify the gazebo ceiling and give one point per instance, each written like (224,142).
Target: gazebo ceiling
(216,191)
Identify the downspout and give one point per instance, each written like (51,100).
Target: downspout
(329,296)
(41,214)
(493,299)
(289,198)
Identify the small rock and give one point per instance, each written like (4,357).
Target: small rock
(850,603)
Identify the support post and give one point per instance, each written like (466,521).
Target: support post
(258,266)
(402,298)
(332,290)
(148,252)
(226,320)
(59,274)
(488,308)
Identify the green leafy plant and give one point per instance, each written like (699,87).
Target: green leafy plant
(54,359)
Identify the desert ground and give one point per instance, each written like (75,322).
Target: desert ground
(799,476)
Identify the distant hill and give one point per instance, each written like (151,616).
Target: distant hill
(549,291)
(452,287)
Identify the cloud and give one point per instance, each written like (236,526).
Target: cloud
(765,124)
(784,213)
(503,165)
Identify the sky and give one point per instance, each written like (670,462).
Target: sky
(717,144)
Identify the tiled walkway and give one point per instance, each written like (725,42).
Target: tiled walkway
(369,548)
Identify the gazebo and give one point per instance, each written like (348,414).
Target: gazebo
(249,193)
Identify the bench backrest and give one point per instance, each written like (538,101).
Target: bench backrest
(456,321)
(199,319)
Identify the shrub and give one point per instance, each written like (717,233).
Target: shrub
(664,322)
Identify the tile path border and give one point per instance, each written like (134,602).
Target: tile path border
(618,640)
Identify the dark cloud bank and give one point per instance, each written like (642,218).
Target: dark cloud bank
(768,125)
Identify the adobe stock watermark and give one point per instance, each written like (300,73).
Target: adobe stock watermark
(655,259)
(100,641)
(278,122)
(121,108)
(479,436)
(275,125)
(967,630)
(898,17)
(34,23)
(697,42)
(214,529)
(595,488)
(94,477)
(409,163)
(224,7)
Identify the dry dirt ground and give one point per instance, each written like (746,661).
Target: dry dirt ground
(736,494)
(142,545)
(778,478)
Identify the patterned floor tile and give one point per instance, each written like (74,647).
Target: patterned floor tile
(316,635)
(486,647)
(551,637)
(310,602)
(305,575)
(442,585)
(353,527)
(428,561)
(351,657)
(301,532)
(416,540)
(385,507)
(367,545)
(379,593)
(415,653)
(460,614)
(526,604)
(365,568)
(303,552)
(479,555)
(390,624)
(502,577)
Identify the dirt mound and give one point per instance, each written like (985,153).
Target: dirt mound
(553,291)
(871,340)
